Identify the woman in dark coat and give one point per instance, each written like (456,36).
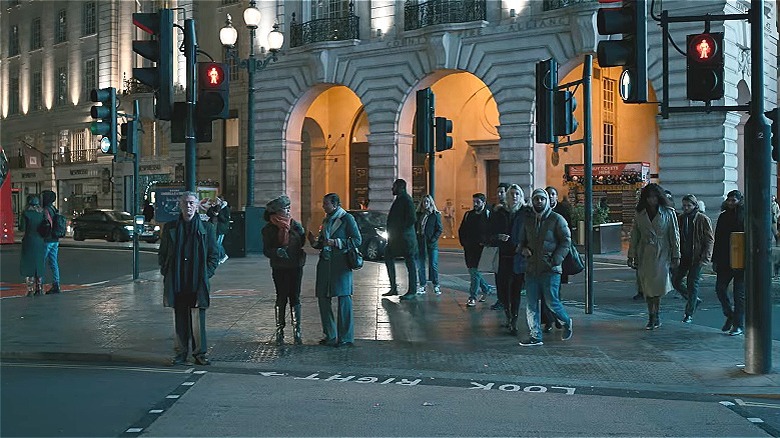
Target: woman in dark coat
(283,240)
(33,248)
(429,230)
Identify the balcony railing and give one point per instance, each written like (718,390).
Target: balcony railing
(325,29)
(551,5)
(78,156)
(418,15)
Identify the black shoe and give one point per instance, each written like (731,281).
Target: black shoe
(638,297)
(328,342)
(531,342)
(726,326)
(55,289)
(567,331)
(345,345)
(687,319)
(548,327)
(497,306)
(179,360)
(650,324)
(390,293)
(409,295)
(201,359)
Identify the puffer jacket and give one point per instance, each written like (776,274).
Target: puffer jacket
(548,237)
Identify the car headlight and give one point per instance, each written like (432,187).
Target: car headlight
(129,228)
(156,228)
(382,234)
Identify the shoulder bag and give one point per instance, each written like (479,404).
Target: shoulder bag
(353,256)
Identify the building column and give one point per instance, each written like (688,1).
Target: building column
(293,173)
(271,168)
(389,158)
(519,161)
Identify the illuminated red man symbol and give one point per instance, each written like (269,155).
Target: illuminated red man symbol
(704,49)
(214,75)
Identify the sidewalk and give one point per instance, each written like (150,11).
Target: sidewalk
(431,336)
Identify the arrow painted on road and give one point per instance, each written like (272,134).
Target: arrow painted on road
(271,373)
(757,404)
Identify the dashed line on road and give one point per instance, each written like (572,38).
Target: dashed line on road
(740,407)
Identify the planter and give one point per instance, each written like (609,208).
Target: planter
(606,237)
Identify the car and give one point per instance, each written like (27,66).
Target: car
(112,225)
(373,232)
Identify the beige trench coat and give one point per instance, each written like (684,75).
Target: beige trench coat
(653,245)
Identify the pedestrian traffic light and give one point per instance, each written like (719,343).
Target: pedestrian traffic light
(630,20)
(564,121)
(129,142)
(773,116)
(160,51)
(443,128)
(424,121)
(705,66)
(546,83)
(213,91)
(105,118)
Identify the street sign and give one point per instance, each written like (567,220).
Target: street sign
(625,85)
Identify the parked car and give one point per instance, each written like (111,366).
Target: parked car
(112,225)
(373,231)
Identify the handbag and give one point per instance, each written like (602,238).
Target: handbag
(573,263)
(353,256)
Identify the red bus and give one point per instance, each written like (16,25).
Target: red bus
(6,209)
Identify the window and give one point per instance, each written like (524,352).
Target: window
(90,78)
(37,91)
(608,117)
(89,19)
(329,9)
(13,96)
(62,86)
(229,2)
(35,34)
(13,40)
(61,34)
(232,64)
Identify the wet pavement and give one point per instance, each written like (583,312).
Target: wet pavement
(429,337)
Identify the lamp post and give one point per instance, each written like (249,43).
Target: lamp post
(228,36)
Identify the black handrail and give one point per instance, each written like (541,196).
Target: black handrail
(324,29)
(418,15)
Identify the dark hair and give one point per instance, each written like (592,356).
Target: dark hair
(548,188)
(504,185)
(401,183)
(735,193)
(480,196)
(333,199)
(652,189)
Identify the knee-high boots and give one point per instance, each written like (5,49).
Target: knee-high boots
(279,314)
(295,319)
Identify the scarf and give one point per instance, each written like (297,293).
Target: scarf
(283,223)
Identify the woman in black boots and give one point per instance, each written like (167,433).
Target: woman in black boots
(283,240)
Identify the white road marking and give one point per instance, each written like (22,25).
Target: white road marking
(135,430)
(187,383)
(726,403)
(755,420)
(156,411)
(757,404)
(173,396)
(96,367)
(95,284)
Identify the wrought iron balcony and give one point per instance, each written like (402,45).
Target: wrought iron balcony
(418,15)
(551,5)
(325,29)
(134,86)
(78,156)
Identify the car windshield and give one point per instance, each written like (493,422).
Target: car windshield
(373,218)
(121,215)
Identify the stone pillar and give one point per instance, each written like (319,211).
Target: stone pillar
(293,173)
(389,158)
(270,168)
(517,155)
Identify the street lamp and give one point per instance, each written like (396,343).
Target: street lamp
(228,36)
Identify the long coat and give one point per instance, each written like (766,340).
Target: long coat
(429,237)
(33,246)
(653,245)
(402,240)
(205,261)
(334,278)
(296,254)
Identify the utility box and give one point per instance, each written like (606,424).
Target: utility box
(234,241)
(253,225)
(737,253)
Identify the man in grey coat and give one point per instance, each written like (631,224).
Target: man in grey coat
(402,239)
(544,242)
(188,258)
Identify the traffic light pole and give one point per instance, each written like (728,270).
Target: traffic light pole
(190,141)
(587,143)
(758,302)
(136,202)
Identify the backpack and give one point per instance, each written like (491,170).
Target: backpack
(60,225)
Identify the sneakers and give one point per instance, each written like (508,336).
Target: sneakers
(223,259)
(482,297)
(736,331)
(567,331)
(687,319)
(201,359)
(471,302)
(436,289)
(726,326)
(531,342)
(497,306)
(421,290)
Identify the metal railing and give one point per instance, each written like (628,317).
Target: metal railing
(551,5)
(418,15)
(324,29)
(78,156)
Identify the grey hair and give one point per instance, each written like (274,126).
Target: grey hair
(185,195)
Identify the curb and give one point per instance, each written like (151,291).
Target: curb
(115,358)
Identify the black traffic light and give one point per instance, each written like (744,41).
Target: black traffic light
(564,122)
(424,121)
(546,83)
(773,115)
(630,20)
(160,51)
(129,142)
(105,118)
(213,91)
(705,66)
(443,128)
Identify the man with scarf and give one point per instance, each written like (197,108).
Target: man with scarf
(338,233)
(731,220)
(401,240)
(696,241)
(544,242)
(283,240)
(188,258)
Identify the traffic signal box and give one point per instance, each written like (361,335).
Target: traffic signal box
(105,118)
(630,20)
(424,121)
(443,129)
(705,66)
(213,91)
(160,51)
(565,104)
(546,83)
(129,141)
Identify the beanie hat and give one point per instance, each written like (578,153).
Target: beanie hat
(691,198)
(278,204)
(540,192)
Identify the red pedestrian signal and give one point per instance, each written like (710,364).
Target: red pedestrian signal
(705,66)
(703,48)
(213,91)
(214,75)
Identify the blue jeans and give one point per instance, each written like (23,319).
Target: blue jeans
(736,312)
(220,239)
(690,292)
(477,282)
(547,284)
(431,254)
(52,259)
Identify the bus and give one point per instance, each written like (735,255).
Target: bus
(6,209)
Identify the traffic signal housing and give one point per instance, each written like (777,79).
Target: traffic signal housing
(424,121)
(129,141)
(213,91)
(105,118)
(564,122)
(773,116)
(630,20)
(705,66)
(443,129)
(546,83)
(160,51)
